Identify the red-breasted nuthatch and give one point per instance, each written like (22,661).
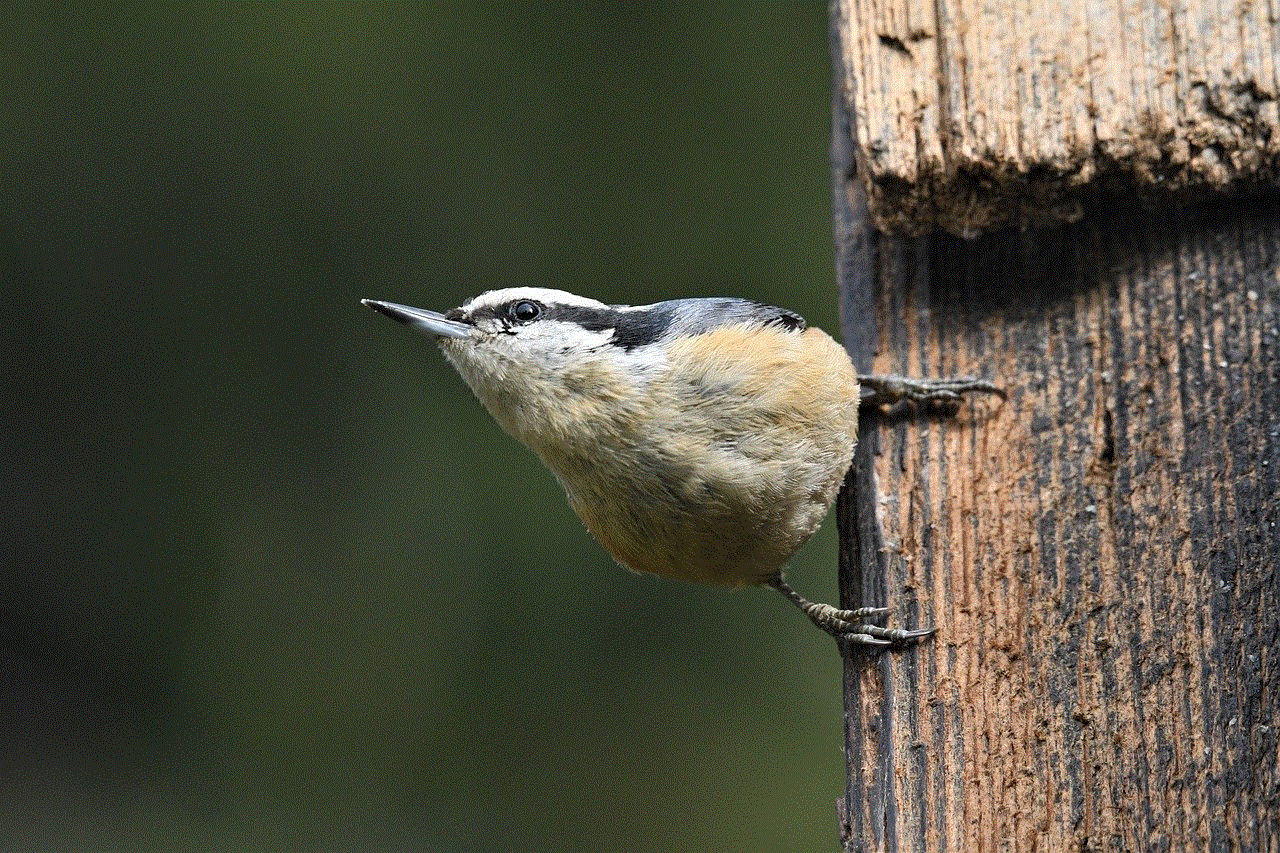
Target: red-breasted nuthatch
(701,439)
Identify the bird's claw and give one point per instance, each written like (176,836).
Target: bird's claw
(947,393)
(847,627)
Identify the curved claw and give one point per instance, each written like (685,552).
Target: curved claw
(870,635)
(883,636)
(862,640)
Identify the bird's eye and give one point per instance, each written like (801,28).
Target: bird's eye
(525,311)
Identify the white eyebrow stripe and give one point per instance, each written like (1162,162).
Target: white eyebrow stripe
(545,295)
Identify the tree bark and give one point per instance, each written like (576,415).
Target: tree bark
(1100,554)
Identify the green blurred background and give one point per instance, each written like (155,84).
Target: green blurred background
(273,580)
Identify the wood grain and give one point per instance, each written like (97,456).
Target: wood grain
(972,114)
(1100,554)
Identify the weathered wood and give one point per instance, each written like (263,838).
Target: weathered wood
(1100,554)
(974,114)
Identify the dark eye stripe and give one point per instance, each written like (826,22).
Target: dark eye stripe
(632,328)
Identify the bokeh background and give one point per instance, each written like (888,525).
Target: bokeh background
(272,579)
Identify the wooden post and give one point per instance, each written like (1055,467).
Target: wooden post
(972,114)
(1100,554)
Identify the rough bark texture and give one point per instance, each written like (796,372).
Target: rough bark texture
(978,113)
(1100,554)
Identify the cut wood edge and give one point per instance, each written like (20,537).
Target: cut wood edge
(969,122)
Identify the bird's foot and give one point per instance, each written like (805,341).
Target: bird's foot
(847,626)
(946,393)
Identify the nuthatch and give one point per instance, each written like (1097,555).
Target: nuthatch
(701,439)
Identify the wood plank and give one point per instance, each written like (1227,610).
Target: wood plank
(1099,554)
(971,115)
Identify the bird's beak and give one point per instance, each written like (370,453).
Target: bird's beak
(429,321)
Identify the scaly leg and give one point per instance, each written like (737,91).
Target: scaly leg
(891,389)
(844,625)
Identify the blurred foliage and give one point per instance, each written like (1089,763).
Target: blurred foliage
(273,579)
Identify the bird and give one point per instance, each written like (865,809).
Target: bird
(702,439)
